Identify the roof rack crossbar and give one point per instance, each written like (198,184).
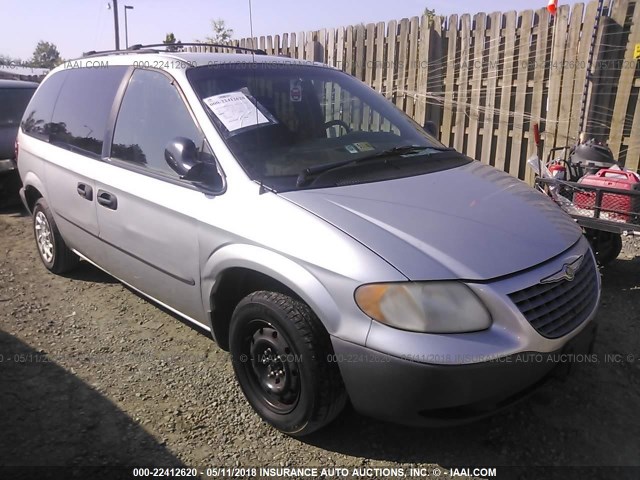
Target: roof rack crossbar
(151,48)
(95,53)
(257,51)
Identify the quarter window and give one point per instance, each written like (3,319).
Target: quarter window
(82,111)
(36,120)
(151,115)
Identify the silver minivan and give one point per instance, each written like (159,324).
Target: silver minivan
(333,246)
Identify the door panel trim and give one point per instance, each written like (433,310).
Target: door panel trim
(188,281)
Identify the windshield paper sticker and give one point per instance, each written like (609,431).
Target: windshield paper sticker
(364,146)
(235,111)
(351,149)
(359,147)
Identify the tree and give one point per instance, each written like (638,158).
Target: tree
(431,15)
(9,60)
(46,55)
(221,33)
(170,39)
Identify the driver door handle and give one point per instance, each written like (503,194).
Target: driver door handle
(85,191)
(107,200)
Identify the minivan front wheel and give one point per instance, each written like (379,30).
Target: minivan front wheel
(54,253)
(282,359)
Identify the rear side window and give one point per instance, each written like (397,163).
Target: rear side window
(151,115)
(37,117)
(13,101)
(83,108)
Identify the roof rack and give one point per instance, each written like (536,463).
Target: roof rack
(152,48)
(95,53)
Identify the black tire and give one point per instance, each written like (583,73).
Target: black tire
(281,358)
(606,245)
(56,256)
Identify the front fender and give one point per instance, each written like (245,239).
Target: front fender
(344,320)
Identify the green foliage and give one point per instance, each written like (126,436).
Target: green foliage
(221,33)
(170,39)
(8,60)
(431,14)
(46,55)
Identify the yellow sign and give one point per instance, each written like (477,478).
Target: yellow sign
(636,52)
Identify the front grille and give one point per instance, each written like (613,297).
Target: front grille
(555,309)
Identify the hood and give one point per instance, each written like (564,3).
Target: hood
(473,222)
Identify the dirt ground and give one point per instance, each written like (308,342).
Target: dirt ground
(92,374)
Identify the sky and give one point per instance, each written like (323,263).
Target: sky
(76,26)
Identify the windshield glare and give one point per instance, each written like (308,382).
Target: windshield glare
(281,119)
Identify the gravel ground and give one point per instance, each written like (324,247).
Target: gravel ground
(92,374)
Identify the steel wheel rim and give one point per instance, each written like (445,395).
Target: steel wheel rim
(271,367)
(44,238)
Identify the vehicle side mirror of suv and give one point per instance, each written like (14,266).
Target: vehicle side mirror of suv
(431,128)
(181,154)
(206,174)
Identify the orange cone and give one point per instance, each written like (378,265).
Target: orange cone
(552,7)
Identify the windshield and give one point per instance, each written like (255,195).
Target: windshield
(282,120)
(13,102)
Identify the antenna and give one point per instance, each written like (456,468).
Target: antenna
(251,23)
(262,189)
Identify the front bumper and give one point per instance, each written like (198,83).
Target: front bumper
(413,393)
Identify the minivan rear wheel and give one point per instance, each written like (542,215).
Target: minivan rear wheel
(282,358)
(54,253)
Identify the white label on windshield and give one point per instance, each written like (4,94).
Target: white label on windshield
(235,111)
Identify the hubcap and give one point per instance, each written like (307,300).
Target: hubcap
(44,239)
(273,368)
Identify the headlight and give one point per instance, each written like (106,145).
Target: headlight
(429,307)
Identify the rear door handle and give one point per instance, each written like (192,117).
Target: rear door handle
(107,199)
(85,191)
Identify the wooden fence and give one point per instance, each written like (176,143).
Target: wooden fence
(486,79)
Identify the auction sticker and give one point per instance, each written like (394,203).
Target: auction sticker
(235,111)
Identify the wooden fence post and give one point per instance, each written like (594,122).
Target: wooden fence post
(485,81)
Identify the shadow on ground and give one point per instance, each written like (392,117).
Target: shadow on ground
(15,209)
(86,272)
(51,417)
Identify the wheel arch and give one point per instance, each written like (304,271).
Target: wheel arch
(234,271)
(33,190)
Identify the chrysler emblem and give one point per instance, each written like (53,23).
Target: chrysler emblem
(568,271)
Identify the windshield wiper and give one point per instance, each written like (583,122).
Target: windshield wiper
(304,176)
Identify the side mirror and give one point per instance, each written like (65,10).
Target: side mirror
(182,155)
(431,128)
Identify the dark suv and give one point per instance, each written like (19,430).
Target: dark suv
(14,97)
